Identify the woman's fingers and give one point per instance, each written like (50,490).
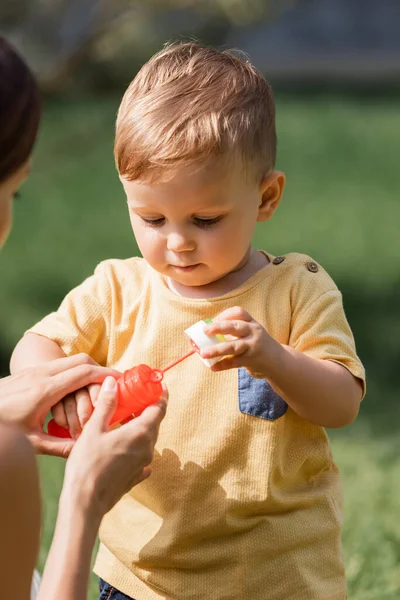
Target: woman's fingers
(144,429)
(106,404)
(59,365)
(78,376)
(51,446)
(113,461)
(145,474)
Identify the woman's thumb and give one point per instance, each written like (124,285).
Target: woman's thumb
(106,403)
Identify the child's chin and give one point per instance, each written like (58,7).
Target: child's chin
(191,278)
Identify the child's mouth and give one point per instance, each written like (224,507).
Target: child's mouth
(185,269)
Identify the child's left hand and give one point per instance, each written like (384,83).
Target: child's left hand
(75,410)
(250,345)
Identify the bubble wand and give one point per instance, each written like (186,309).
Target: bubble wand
(137,388)
(140,386)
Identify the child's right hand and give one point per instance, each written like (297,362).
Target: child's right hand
(74,411)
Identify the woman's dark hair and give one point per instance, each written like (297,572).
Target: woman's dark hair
(20,109)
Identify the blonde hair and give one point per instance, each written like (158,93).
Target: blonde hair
(193,104)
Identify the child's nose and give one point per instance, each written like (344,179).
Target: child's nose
(180,242)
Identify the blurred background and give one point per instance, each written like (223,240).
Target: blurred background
(335,68)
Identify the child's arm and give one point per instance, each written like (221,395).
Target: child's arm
(79,326)
(33,349)
(321,391)
(72,412)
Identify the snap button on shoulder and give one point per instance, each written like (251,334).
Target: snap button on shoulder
(312,267)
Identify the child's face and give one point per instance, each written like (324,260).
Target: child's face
(196,227)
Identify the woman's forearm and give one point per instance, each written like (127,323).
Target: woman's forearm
(19,513)
(103,466)
(66,574)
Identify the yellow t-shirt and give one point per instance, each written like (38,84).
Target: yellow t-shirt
(244,502)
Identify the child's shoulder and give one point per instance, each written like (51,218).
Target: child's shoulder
(302,275)
(306,288)
(118,271)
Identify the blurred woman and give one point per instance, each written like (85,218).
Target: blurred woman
(90,489)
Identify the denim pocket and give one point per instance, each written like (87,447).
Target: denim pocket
(258,399)
(107,592)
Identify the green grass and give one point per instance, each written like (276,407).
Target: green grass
(341,206)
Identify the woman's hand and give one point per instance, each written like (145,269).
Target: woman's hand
(27,397)
(105,464)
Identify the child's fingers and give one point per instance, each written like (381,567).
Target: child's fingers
(234,328)
(94,391)
(228,363)
(71,412)
(235,312)
(233,347)
(84,406)
(59,415)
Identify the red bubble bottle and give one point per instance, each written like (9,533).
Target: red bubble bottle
(137,388)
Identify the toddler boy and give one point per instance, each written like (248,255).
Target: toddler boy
(244,502)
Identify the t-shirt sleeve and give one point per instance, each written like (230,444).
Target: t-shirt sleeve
(320,328)
(81,324)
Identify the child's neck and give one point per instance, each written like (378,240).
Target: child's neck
(251,263)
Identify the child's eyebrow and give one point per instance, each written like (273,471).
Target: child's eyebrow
(206,205)
(143,207)
(213,208)
(211,204)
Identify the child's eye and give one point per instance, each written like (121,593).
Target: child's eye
(207,222)
(154,222)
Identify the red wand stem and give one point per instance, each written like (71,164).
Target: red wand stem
(176,362)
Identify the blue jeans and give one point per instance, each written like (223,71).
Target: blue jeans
(107,592)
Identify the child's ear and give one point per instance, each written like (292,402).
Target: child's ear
(271,190)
